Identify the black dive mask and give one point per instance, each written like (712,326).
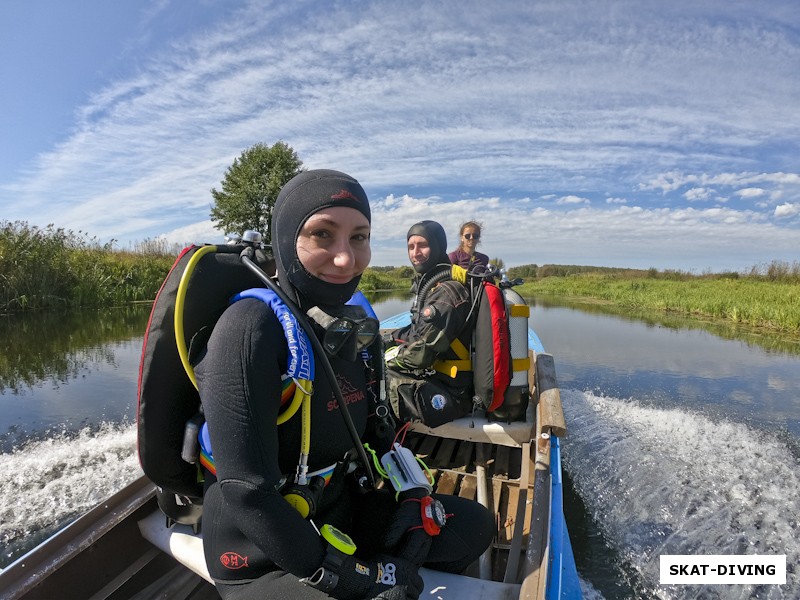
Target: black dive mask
(348,329)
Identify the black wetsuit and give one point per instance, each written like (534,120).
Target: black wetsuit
(256,544)
(438,319)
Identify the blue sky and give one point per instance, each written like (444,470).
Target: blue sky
(635,134)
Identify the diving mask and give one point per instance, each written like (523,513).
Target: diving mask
(348,329)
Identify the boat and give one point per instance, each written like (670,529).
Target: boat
(123,549)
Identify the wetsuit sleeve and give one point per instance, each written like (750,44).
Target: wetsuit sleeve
(239,377)
(436,325)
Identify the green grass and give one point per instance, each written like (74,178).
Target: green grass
(751,300)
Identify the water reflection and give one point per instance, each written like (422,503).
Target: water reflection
(684,366)
(752,336)
(62,372)
(55,346)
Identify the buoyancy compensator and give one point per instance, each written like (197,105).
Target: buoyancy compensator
(517,395)
(205,277)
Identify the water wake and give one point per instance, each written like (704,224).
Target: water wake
(677,482)
(50,482)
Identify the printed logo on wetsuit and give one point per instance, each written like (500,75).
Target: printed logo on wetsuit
(345,195)
(233,560)
(349,393)
(386,573)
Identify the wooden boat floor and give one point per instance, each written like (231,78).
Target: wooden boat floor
(454,465)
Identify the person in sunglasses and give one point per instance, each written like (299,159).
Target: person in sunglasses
(265,534)
(466,254)
(440,326)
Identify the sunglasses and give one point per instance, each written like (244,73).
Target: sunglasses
(471,236)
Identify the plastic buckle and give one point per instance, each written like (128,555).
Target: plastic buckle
(404,471)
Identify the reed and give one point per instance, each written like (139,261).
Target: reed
(52,267)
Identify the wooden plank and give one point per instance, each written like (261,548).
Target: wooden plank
(516,541)
(549,396)
(427,447)
(443,456)
(480,429)
(497,493)
(469,487)
(534,570)
(447,482)
(508,512)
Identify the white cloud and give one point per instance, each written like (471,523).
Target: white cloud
(572,200)
(787,210)
(694,194)
(750,193)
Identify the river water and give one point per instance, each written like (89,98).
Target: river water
(684,438)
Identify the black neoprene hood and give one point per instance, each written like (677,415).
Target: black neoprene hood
(305,194)
(437,240)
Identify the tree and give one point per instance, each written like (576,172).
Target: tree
(251,186)
(497,262)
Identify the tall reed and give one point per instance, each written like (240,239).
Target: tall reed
(52,267)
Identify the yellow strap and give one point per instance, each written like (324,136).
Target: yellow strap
(458,274)
(521,364)
(519,310)
(452,367)
(460,349)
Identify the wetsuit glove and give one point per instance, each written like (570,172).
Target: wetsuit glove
(350,578)
(406,536)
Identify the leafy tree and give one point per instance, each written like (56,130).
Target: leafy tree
(251,186)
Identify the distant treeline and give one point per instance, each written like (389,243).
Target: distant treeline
(773,271)
(43,268)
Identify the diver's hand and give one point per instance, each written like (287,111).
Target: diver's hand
(406,536)
(351,578)
(408,585)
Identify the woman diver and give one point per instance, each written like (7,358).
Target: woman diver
(353,542)
(466,255)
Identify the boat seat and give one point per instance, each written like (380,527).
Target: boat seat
(480,429)
(186,547)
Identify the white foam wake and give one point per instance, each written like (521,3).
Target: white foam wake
(677,482)
(48,483)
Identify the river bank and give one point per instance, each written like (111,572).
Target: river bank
(774,305)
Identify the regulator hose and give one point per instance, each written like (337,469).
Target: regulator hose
(429,284)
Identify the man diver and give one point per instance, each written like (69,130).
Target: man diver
(421,386)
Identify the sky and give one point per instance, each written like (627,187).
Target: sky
(641,134)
